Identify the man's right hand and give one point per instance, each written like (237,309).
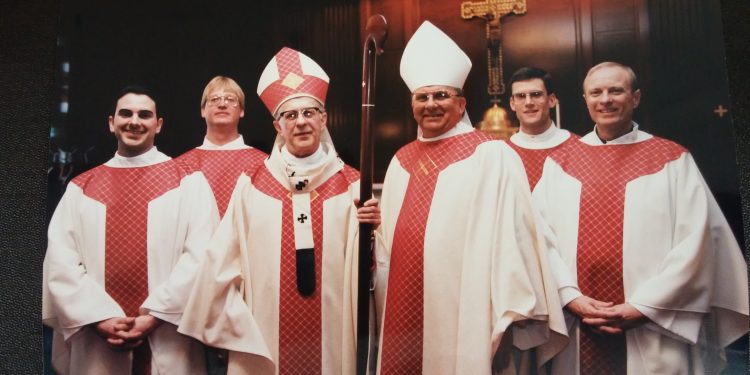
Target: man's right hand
(587,307)
(116,332)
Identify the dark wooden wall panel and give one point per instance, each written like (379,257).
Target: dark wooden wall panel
(687,68)
(548,36)
(616,29)
(28,72)
(393,122)
(177,50)
(674,46)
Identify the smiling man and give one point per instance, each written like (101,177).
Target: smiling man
(460,264)
(278,287)
(532,97)
(123,244)
(656,281)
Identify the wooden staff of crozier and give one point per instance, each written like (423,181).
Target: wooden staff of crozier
(377,29)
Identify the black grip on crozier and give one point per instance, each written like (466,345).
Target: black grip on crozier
(305,272)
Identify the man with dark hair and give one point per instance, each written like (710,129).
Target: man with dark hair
(532,97)
(123,245)
(656,281)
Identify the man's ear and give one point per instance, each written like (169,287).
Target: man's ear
(277,126)
(462,104)
(636,98)
(325,119)
(111,122)
(159,123)
(552,100)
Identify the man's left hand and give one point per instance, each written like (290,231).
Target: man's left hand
(625,317)
(144,326)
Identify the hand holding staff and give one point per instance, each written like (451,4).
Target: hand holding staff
(377,29)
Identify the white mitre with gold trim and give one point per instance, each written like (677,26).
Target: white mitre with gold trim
(432,58)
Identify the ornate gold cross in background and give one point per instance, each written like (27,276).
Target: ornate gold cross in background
(495,121)
(492,11)
(497,8)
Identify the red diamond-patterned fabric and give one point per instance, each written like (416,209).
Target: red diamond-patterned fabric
(126,193)
(403,321)
(300,320)
(288,61)
(533,159)
(222,168)
(604,171)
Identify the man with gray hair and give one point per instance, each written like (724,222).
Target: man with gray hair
(278,286)
(655,280)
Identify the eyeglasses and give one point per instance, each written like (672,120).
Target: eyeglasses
(228,100)
(534,95)
(438,96)
(293,114)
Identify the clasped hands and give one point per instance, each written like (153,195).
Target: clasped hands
(606,317)
(125,333)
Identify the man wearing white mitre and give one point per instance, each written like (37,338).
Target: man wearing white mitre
(462,270)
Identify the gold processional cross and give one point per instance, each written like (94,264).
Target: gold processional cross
(495,119)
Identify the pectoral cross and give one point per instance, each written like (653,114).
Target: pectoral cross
(492,11)
(302,218)
(300,185)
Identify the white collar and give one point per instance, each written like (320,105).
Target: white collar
(236,144)
(316,159)
(543,136)
(549,138)
(150,157)
(633,136)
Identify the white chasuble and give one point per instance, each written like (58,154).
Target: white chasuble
(248,296)
(634,223)
(461,260)
(125,241)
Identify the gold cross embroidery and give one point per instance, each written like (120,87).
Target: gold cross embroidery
(313,194)
(292,81)
(426,165)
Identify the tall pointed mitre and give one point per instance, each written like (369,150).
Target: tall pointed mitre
(432,58)
(291,74)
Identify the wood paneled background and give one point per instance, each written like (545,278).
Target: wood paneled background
(179,46)
(675,47)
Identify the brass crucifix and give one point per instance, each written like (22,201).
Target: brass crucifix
(492,11)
